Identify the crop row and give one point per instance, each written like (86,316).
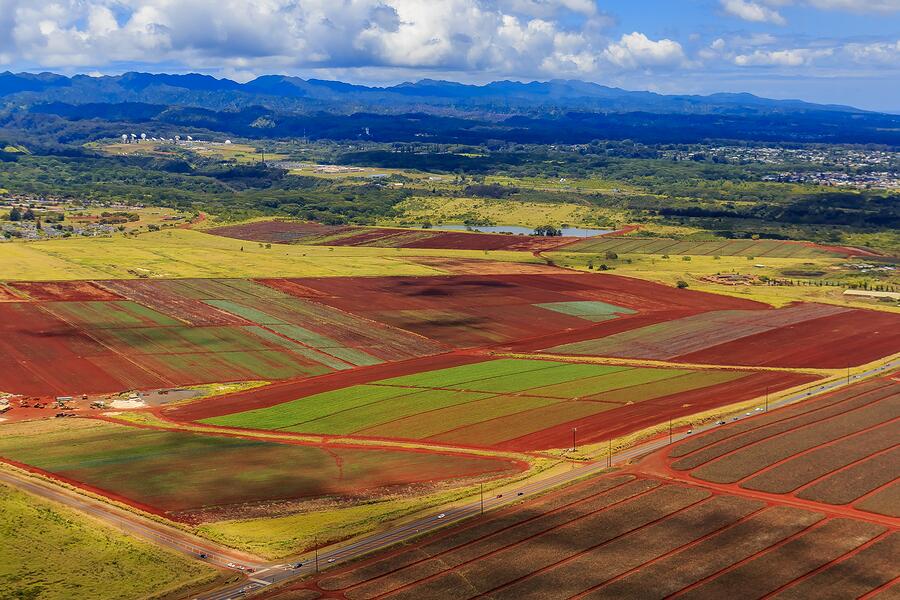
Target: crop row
(765,426)
(751,459)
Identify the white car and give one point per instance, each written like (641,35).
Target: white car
(441,516)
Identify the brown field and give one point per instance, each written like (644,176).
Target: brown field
(838,450)
(627,536)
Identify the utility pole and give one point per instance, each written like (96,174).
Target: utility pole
(482,499)
(670,432)
(574,429)
(609,453)
(767,398)
(316,546)
(848,374)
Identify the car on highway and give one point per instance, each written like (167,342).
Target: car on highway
(441,516)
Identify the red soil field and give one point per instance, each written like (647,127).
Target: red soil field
(314,233)
(63,290)
(31,340)
(626,536)
(468,311)
(853,338)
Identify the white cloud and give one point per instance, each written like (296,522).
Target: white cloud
(857,5)
(878,53)
(752,11)
(795,57)
(241,37)
(636,50)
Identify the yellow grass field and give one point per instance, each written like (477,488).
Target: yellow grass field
(53,553)
(503,212)
(182,253)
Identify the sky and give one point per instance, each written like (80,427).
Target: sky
(827,51)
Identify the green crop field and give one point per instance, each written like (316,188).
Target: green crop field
(484,403)
(180,473)
(50,552)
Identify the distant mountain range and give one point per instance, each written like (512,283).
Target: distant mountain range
(68,110)
(284,93)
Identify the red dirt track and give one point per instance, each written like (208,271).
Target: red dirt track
(63,291)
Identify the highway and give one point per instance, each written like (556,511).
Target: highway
(266,574)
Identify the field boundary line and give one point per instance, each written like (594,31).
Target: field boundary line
(798,534)
(836,561)
(642,362)
(748,517)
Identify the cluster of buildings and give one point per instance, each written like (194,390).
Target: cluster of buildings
(882,180)
(47,224)
(834,157)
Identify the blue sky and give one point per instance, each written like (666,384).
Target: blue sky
(831,51)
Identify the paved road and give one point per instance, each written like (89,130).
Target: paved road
(129,522)
(266,574)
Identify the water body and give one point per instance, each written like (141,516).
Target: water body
(566,231)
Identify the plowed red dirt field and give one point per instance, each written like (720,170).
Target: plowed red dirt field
(467,311)
(786,337)
(285,232)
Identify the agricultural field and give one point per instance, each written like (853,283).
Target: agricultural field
(177,253)
(315,234)
(54,553)
(110,336)
(470,311)
(785,337)
(840,450)
(194,477)
(627,536)
(506,404)
(752,248)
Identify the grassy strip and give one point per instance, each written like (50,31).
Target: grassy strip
(52,552)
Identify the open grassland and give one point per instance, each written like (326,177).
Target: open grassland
(834,450)
(192,477)
(53,553)
(508,403)
(622,536)
(440,211)
(786,337)
(181,253)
